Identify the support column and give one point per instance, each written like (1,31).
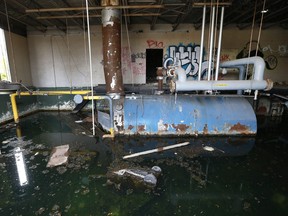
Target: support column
(111,37)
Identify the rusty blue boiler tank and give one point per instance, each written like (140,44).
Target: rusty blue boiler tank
(188,114)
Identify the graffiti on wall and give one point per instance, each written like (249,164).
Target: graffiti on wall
(154,44)
(187,57)
(281,50)
(135,62)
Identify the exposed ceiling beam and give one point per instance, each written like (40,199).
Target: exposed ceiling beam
(41,10)
(57,26)
(181,17)
(207,4)
(154,19)
(246,15)
(268,16)
(75,21)
(281,22)
(94,15)
(126,11)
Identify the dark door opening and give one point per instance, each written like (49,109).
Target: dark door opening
(154,59)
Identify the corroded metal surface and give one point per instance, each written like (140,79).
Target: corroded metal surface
(111,36)
(188,115)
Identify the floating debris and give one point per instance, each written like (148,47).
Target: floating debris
(61,170)
(160,149)
(58,156)
(40,211)
(208,148)
(138,177)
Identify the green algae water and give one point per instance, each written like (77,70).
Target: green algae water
(211,176)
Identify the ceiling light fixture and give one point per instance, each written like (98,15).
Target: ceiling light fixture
(264,11)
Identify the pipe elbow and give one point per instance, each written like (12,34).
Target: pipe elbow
(269,85)
(257,61)
(181,74)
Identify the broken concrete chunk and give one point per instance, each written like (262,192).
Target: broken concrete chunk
(136,176)
(59,156)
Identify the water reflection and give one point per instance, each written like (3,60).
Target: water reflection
(210,176)
(21,166)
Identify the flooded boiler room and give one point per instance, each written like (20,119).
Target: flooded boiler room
(143,107)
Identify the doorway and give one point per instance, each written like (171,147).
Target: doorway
(154,59)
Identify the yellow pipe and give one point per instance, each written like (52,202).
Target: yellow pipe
(14,104)
(81,92)
(14,107)
(43,93)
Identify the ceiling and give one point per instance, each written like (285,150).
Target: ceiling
(19,15)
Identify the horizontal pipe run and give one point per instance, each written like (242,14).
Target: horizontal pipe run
(40,93)
(53,93)
(42,10)
(259,65)
(221,85)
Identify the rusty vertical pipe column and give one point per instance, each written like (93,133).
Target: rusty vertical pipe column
(111,37)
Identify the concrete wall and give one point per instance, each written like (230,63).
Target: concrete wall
(18,55)
(60,60)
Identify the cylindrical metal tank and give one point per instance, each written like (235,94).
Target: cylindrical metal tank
(188,114)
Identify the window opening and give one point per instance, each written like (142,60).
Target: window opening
(4,64)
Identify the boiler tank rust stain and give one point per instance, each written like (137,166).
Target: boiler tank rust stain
(141,128)
(239,128)
(130,127)
(180,127)
(205,129)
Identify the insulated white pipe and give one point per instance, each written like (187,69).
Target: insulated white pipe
(259,65)
(241,69)
(211,43)
(219,43)
(202,43)
(90,67)
(257,84)
(181,74)
(204,85)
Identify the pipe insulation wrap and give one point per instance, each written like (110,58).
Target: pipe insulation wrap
(259,65)
(221,85)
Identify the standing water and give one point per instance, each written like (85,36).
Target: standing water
(210,176)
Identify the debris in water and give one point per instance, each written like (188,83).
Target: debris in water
(160,149)
(78,121)
(61,170)
(40,211)
(58,156)
(208,148)
(137,176)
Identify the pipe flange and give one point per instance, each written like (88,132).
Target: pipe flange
(269,84)
(172,86)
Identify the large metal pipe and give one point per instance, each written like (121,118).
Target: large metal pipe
(219,44)
(221,85)
(257,84)
(202,42)
(111,36)
(211,44)
(242,70)
(258,62)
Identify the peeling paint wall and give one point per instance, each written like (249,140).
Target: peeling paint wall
(60,60)
(30,104)
(25,106)
(19,61)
